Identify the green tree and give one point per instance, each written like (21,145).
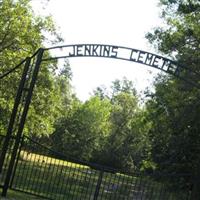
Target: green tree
(51,100)
(81,133)
(127,145)
(117,87)
(174,106)
(109,129)
(22,33)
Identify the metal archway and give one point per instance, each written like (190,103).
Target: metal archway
(128,54)
(31,66)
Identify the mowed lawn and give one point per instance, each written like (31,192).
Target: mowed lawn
(54,178)
(12,195)
(59,179)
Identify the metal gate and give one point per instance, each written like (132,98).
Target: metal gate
(17,120)
(11,157)
(48,174)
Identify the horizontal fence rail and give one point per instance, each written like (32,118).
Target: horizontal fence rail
(49,174)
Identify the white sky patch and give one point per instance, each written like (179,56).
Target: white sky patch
(115,22)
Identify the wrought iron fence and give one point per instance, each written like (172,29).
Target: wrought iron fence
(7,158)
(40,171)
(49,174)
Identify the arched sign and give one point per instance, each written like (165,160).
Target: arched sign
(31,67)
(128,54)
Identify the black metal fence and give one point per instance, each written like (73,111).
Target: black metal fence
(7,159)
(49,174)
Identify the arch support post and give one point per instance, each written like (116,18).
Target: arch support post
(32,77)
(12,121)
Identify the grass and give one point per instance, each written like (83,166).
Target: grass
(48,160)
(13,195)
(58,179)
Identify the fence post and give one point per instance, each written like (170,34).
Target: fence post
(22,122)
(17,160)
(14,113)
(96,194)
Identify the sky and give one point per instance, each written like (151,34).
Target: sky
(114,22)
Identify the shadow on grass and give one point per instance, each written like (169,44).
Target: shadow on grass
(14,195)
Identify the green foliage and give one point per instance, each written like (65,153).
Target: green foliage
(117,87)
(51,100)
(22,33)
(127,144)
(109,128)
(174,107)
(84,128)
